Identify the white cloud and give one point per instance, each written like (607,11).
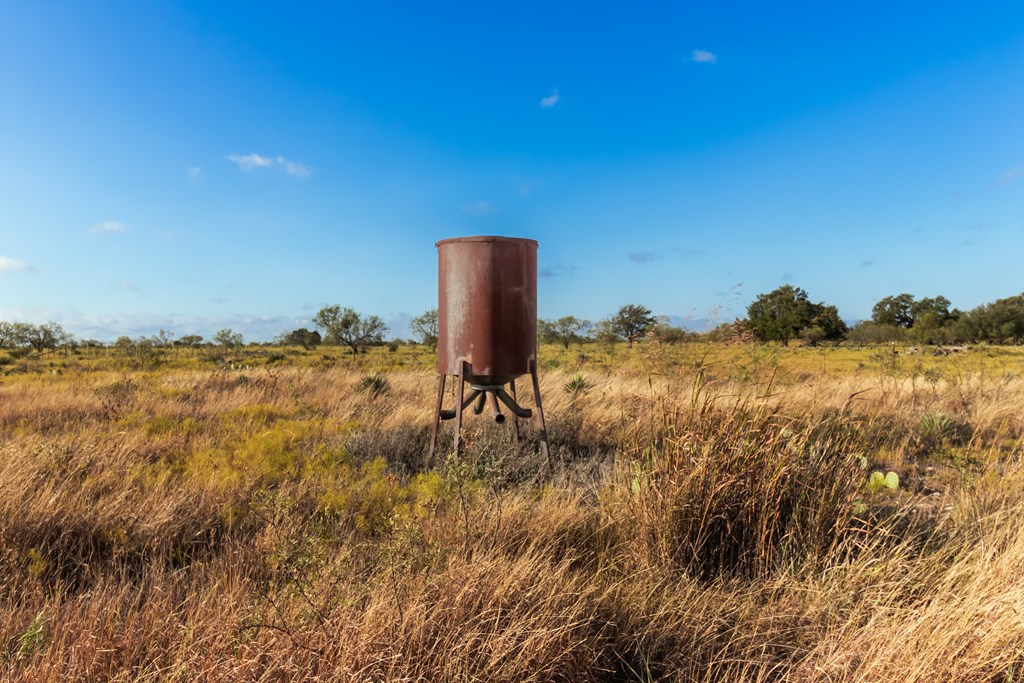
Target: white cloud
(294,168)
(550,101)
(248,162)
(108,226)
(194,173)
(480,208)
(704,57)
(13,265)
(1009,175)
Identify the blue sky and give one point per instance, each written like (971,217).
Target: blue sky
(196,165)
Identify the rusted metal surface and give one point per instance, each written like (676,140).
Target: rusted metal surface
(487,329)
(487,307)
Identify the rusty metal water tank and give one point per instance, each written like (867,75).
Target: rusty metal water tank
(487,307)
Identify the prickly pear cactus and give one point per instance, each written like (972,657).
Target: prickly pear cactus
(879,481)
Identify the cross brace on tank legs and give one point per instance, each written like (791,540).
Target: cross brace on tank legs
(490,395)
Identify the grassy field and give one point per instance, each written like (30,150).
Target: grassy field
(712,513)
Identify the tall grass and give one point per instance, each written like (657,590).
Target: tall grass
(704,522)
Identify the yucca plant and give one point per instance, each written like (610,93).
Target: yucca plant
(375,385)
(577,385)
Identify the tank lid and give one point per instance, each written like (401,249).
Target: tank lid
(486,238)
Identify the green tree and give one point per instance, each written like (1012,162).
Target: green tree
(564,331)
(227,338)
(41,337)
(7,333)
(870,332)
(345,326)
(307,339)
(786,313)
(424,328)
(937,308)
(780,314)
(897,311)
(189,340)
(141,352)
(999,321)
(669,334)
(632,322)
(825,324)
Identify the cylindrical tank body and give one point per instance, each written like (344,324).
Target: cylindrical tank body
(487,307)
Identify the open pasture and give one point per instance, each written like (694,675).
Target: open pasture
(710,513)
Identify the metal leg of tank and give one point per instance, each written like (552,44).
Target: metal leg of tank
(515,417)
(461,391)
(437,419)
(540,412)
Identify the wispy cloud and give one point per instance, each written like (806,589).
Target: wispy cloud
(974,226)
(294,168)
(129,287)
(1009,175)
(644,257)
(683,252)
(480,208)
(251,162)
(13,265)
(704,57)
(248,162)
(556,270)
(194,173)
(107,227)
(551,100)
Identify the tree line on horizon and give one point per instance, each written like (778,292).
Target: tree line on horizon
(787,314)
(783,315)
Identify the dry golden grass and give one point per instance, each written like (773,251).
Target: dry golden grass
(707,518)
